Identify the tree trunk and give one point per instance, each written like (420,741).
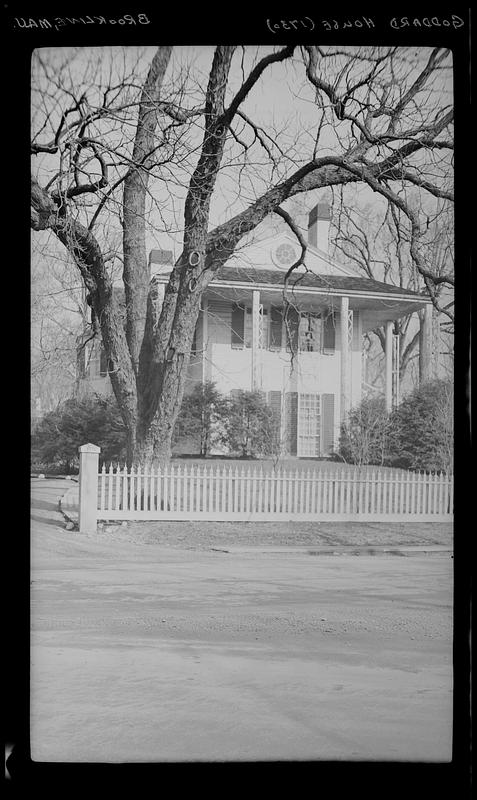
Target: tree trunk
(160,398)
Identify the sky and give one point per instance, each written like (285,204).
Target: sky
(281,101)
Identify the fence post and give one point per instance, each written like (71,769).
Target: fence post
(88,487)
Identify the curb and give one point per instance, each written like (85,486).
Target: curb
(330,550)
(70,516)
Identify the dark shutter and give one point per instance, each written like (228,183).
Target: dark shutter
(292,319)
(81,362)
(291,410)
(327,421)
(193,350)
(276,320)
(275,403)
(103,363)
(238,325)
(329,330)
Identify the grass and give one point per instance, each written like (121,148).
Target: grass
(220,535)
(267,464)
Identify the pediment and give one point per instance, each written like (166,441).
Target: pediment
(280,251)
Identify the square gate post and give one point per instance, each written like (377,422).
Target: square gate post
(88,487)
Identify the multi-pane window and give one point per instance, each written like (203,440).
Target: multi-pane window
(309,425)
(310,332)
(307,331)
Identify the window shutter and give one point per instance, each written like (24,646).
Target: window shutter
(276,320)
(292,319)
(81,362)
(327,421)
(103,363)
(238,325)
(275,403)
(193,349)
(329,330)
(291,410)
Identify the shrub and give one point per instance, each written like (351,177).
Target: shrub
(56,438)
(199,418)
(419,434)
(365,437)
(251,426)
(423,429)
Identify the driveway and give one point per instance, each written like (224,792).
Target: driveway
(144,652)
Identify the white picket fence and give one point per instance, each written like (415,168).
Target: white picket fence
(211,493)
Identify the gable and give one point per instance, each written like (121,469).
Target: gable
(277,254)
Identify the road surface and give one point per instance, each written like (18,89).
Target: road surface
(143,652)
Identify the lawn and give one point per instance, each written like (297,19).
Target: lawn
(268,465)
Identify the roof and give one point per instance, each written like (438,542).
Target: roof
(310,280)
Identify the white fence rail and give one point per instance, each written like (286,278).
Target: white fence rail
(211,493)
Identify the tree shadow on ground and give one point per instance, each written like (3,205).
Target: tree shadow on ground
(59,523)
(44,505)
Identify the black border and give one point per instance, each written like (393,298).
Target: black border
(208,26)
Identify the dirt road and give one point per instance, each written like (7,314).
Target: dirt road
(145,652)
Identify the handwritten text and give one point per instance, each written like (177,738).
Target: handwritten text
(55,23)
(364,23)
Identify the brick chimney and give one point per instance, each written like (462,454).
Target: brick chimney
(160,261)
(319,220)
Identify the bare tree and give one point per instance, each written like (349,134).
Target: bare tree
(137,143)
(377,242)
(58,317)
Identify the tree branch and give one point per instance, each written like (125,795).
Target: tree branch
(295,229)
(249,83)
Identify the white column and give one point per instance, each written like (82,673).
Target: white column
(358,362)
(205,339)
(396,367)
(389,367)
(425,344)
(88,487)
(255,339)
(345,383)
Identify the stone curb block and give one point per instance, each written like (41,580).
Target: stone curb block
(70,516)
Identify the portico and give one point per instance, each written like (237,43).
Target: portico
(301,346)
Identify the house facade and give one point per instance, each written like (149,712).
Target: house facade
(295,337)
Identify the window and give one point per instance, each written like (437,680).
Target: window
(292,319)
(238,325)
(276,322)
(329,330)
(309,424)
(310,332)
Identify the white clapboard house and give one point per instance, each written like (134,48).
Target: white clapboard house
(307,361)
